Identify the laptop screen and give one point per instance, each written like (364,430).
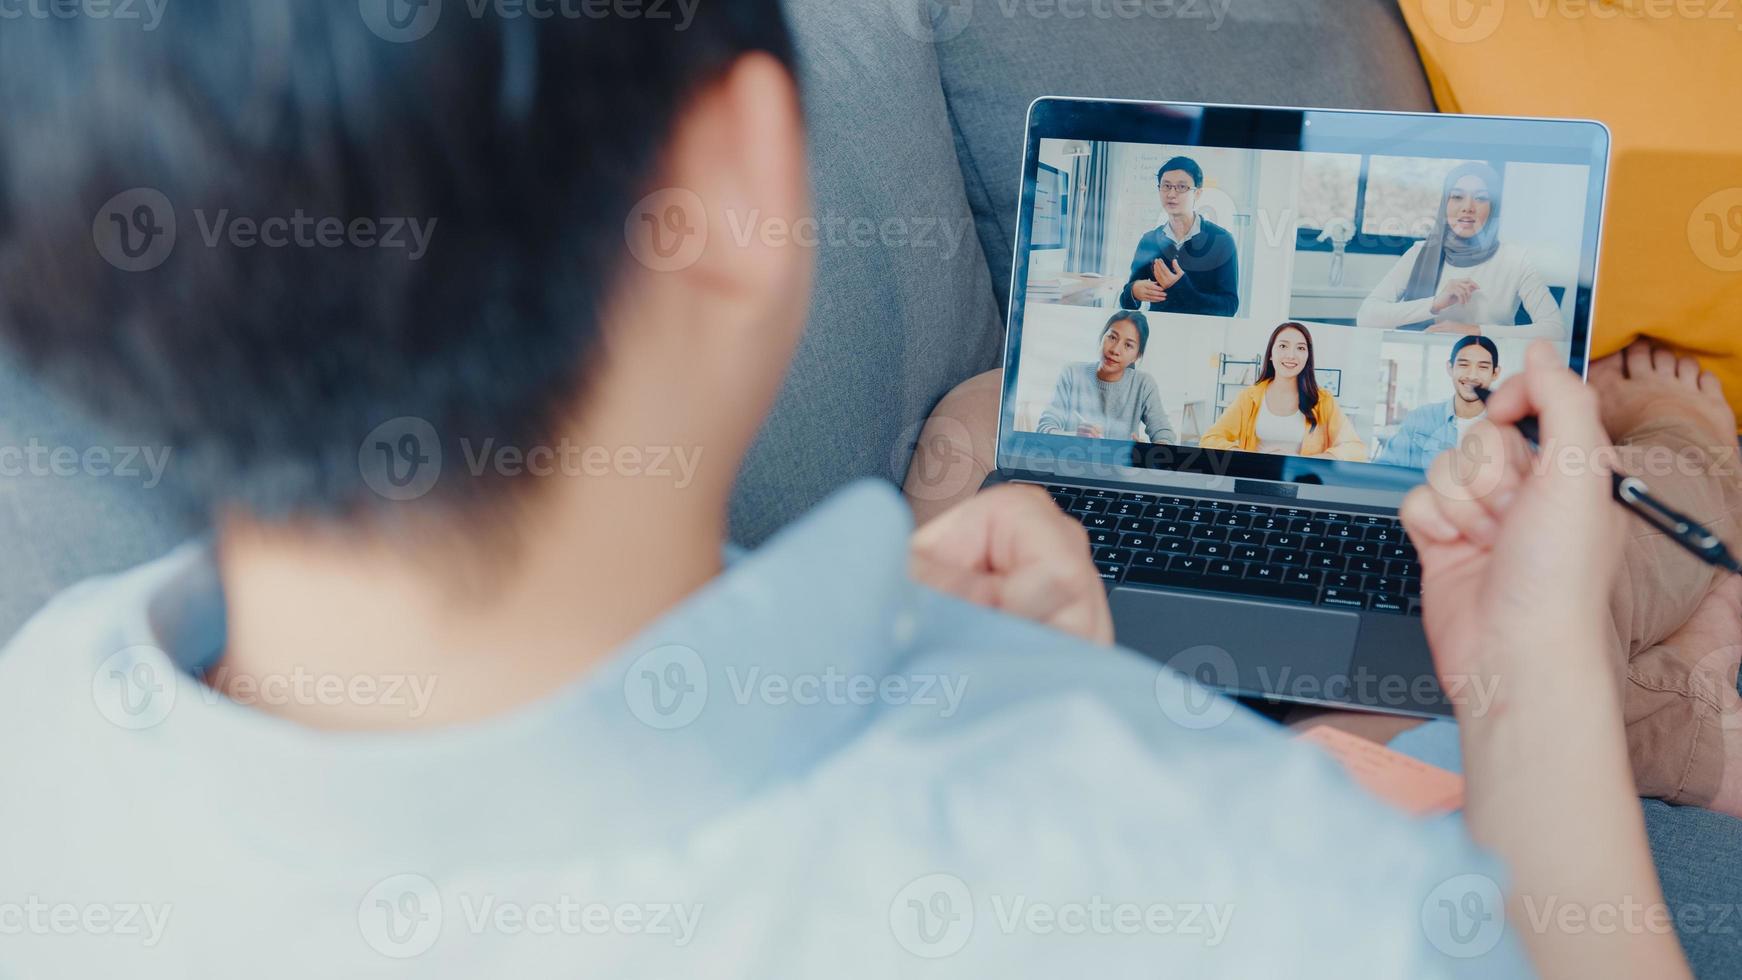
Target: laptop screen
(1304,296)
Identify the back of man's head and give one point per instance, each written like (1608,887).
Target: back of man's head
(398,211)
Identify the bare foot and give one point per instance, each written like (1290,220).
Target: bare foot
(1644,384)
(1716,627)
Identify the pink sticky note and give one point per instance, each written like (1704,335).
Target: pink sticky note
(1409,784)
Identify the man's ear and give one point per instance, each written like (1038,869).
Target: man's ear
(717,233)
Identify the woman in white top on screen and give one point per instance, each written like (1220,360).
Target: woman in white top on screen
(1461,278)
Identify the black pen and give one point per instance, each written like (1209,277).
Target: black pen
(1632,493)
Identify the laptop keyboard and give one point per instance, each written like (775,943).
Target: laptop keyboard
(1335,559)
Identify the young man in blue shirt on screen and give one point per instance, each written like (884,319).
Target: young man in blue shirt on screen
(1433,428)
(459,685)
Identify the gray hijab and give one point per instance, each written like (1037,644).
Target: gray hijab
(1444,247)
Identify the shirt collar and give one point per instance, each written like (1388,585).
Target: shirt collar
(1449,411)
(1197,228)
(666,732)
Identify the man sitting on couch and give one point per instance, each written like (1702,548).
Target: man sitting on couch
(806,764)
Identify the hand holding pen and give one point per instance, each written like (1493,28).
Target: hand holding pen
(1634,495)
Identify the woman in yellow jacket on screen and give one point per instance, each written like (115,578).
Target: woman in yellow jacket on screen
(1286,412)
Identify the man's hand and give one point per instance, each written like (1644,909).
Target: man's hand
(1453,293)
(1012,549)
(1146,291)
(1089,431)
(1518,553)
(1166,275)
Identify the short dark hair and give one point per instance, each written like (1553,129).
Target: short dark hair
(1137,320)
(1469,340)
(527,142)
(1186,164)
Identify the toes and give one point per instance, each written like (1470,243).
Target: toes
(1710,385)
(1637,359)
(1607,371)
(1663,361)
(1687,371)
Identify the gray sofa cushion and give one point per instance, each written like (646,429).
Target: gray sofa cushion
(1004,54)
(904,308)
(64,520)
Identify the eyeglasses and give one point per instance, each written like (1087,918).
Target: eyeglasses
(1179,188)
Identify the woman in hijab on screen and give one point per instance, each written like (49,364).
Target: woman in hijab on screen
(1461,279)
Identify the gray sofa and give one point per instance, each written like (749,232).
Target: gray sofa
(916,110)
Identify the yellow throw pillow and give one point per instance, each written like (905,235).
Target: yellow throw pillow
(1666,76)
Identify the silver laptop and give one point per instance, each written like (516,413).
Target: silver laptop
(1238,335)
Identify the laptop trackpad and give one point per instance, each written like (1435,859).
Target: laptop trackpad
(1241,645)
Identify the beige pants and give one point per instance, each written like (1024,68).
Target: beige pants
(1673,696)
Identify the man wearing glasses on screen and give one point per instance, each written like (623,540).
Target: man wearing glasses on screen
(1434,428)
(1189,264)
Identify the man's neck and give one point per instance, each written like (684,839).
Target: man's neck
(1467,408)
(1182,225)
(484,624)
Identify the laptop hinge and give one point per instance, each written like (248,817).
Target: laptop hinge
(1265,488)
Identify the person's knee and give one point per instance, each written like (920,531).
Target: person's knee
(957,449)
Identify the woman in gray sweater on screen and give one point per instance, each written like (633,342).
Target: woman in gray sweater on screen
(1110,398)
